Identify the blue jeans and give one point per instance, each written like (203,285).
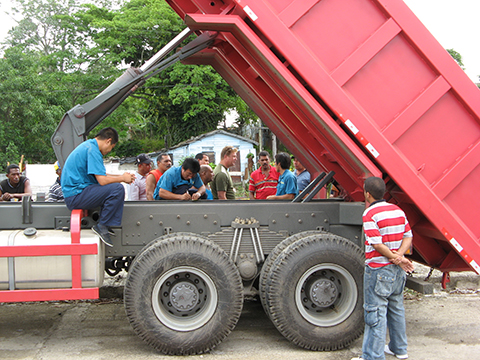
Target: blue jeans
(383,308)
(109,198)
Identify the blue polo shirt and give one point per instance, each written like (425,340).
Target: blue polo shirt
(303,179)
(80,169)
(287,184)
(172,178)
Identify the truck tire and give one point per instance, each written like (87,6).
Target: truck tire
(183,294)
(314,292)
(265,272)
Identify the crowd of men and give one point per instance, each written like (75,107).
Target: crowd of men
(84,184)
(195,179)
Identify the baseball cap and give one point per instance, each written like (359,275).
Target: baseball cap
(56,166)
(143,159)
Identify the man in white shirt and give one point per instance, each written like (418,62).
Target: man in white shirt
(138,189)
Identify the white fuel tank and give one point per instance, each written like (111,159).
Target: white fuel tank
(49,272)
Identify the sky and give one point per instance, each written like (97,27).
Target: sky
(454,23)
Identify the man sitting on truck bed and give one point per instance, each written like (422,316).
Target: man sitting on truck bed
(86,185)
(15,186)
(176,183)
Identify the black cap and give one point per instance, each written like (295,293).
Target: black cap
(143,159)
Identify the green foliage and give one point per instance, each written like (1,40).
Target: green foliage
(64,52)
(457,57)
(182,159)
(134,147)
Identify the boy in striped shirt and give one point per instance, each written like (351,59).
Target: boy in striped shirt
(387,237)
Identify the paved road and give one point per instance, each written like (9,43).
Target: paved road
(439,327)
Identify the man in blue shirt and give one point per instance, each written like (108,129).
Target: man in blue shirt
(287,183)
(176,182)
(302,174)
(86,185)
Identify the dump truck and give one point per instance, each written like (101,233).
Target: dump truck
(354,88)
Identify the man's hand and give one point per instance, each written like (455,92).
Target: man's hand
(128,177)
(404,263)
(186,196)
(6,196)
(407,266)
(196,196)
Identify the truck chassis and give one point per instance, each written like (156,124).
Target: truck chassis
(193,264)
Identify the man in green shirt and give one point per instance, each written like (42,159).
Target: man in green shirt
(222,185)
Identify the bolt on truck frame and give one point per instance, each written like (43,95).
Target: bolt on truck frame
(357,88)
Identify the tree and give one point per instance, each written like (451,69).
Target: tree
(180,102)
(457,57)
(64,52)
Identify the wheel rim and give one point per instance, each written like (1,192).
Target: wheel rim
(326,295)
(184,298)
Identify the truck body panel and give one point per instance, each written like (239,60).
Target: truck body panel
(362,88)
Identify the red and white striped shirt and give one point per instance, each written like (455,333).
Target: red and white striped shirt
(383,223)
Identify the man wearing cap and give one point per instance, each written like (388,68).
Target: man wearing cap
(137,189)
(55,193)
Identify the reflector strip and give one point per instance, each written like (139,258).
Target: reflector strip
(250,13)
(461,251)
(359,136)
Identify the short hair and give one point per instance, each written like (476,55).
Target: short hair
(227,150)
(375,186)
(12,166)
(284,160)
(204,169)
(160,156)
(191,164)
(199,156)
(263,153)
(108,133)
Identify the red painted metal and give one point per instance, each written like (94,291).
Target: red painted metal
(75,250)
(362,88)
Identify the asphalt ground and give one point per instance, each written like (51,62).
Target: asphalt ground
(445,325)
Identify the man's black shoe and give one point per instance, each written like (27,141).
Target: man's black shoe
(102,232)
(110,231)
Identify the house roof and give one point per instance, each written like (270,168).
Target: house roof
(211,133)
(153,155)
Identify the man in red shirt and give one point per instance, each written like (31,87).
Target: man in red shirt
(164,162)
(264,180)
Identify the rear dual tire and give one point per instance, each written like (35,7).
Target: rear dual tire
(314,292)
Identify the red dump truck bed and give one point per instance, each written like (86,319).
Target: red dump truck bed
(362,88)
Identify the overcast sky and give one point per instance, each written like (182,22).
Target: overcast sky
(453,22)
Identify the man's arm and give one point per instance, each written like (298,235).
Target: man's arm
(133,192)
(281,197)
(222,195)
(168,195)
(110,179)
(150,186)
(397,259)
(406,244)
(252,195)
(221,180)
